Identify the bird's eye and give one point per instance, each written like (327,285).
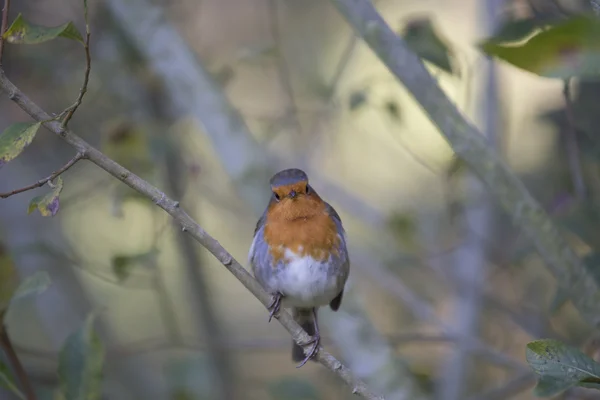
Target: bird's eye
(308,189)
(276,196)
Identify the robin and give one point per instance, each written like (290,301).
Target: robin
(299,254)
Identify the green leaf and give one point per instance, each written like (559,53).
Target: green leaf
(568,49)
(15,138)
(293,389)
(80,364)
(8,382)
(515,30)
(560,367)
(421,37)
(123,264)
(23,32)
(32,285)
(49,203)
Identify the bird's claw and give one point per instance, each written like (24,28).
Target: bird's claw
(275,305)
(316,340)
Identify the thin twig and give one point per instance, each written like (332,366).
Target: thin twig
(188,225)
(88,66)
(13,359)
(573,156)
(47,179)
(4,26)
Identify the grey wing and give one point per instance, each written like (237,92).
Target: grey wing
(338,222)
(261,260)
(344,258)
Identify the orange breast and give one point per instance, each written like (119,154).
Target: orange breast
(303,227)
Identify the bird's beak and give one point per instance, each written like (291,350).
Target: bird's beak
(292,194)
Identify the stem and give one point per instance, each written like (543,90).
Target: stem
(573,156)
(7,347)
(48,179)
(4,26)
(88,66)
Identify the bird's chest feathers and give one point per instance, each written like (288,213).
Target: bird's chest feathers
(302,239)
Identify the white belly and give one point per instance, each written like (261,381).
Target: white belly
(306,282)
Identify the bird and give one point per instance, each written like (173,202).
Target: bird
(299,255)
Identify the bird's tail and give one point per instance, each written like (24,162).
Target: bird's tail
(304,318)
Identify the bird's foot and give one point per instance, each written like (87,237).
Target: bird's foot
(275,305)
(316,341)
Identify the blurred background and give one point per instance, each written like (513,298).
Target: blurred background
(206,100)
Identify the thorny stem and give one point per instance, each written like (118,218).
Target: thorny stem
(4,26)
(13,359)
(47,179)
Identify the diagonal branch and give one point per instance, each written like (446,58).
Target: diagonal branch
(188,225)
(470,145)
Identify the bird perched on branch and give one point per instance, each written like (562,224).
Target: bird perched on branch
(299,254)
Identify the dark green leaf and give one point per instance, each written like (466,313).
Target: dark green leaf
(8,382)
(560,367)
(421,37)
(48,204)
(23,32)
(80,364)
(293,389)
(357,99)
(15,138)
(568,49)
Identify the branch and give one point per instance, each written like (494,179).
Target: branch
(13,359)
(573,156)
(470,145)
(88,66)
(4,26)
(47,179)
(188,225)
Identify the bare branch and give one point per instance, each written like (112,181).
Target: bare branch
(188,225)
(13,359)
(4,27)
(470,145)
(47,179)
